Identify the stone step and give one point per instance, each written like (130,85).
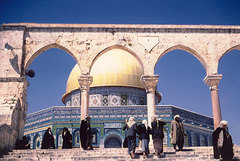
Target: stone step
(114,154)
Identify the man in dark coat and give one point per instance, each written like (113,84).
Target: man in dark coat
(85,133)
(222,142)
(157,134)
(67,139)
(131,127)
(48,140)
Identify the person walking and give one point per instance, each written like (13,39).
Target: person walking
(67,139)
(48,140)
(222,142)
(143,132)
(157,134)
(177,133)
(85,134)
(131,127)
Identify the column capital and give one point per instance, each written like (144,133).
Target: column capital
(149,82)
(85,81)
(212,81)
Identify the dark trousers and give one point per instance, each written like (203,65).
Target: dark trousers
(88,141)
(158,145)
(131,144)
(216,152)
(180,146)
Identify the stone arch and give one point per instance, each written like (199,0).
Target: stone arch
(166,134)
(59,140)
(113,141)
(189,139)
(204,141)
(209,138)
(187,49)
(76,137)
(95,136)
(102,51)
(197,139)
(37,142)
(227,51)
(47,47)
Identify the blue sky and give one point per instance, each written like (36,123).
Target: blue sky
(180,74)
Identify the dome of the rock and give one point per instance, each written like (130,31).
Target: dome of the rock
(114,68)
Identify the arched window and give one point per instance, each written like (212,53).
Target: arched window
(76,138)
(37,142)
(59,139)
(113,141)
(196,140)
(95,139)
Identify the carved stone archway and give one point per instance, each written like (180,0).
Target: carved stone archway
(20,44)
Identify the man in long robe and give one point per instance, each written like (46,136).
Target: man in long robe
(222,142)
(131,127)
(67,139)
(157,135)
(48,140)
(177,133)
(85,134)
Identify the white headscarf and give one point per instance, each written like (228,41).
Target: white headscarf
(131,122)
(144,122)
(154,118)
(222,123)
(176,116)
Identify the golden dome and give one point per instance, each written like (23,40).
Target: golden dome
(114,68)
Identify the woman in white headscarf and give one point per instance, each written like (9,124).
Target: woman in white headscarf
(144,131)
(131,127)
(222,142)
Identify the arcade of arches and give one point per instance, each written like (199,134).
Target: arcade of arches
(21,43)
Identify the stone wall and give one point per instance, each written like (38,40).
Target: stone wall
(10,112)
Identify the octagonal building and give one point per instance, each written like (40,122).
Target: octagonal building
(115,94)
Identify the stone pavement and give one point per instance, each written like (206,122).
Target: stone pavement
(112,154)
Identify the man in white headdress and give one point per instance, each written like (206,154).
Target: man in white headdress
(222,142)
(177,133)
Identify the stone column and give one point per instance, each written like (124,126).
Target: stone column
(149,82)
(84,81)
(212,81)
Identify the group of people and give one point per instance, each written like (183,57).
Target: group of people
(48,139)
(222,140)
(156,130)
(85,137)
